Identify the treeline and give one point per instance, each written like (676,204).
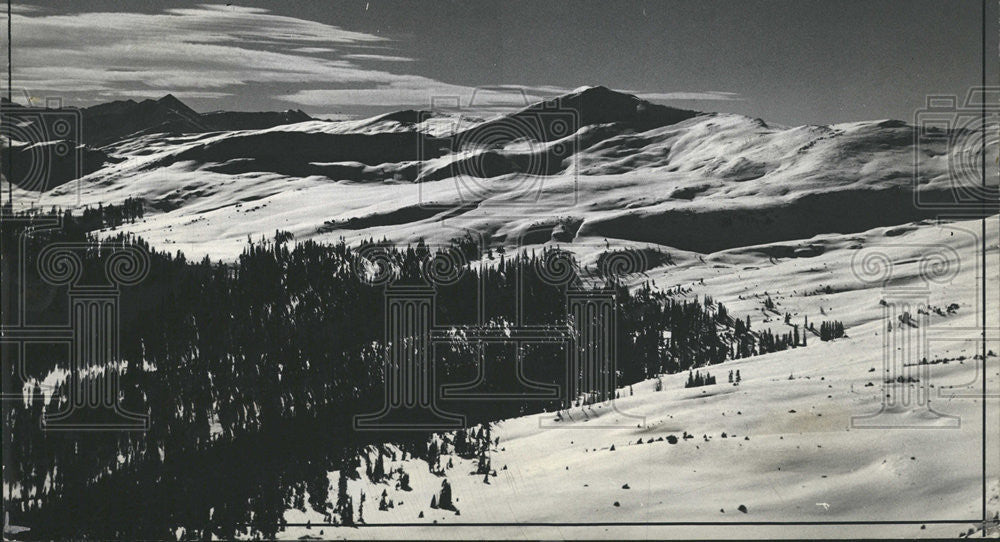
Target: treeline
(252,372)
(104,216)
(830,330)
(696,379)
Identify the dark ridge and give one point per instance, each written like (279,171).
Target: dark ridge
(110,122)
(256,120)
(106,123)
(170,101)
(406,116)
(285,150)
(66,161)
(562,116)
(710,230)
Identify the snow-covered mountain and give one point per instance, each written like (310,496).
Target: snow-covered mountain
(810,434)
(594,163)
(746,210)
(113,121)
(43,158)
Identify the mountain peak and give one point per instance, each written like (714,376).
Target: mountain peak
(596,89)
(600,105)
(112,121)
(173,102)
(587,105)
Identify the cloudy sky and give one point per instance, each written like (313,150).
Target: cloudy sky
(788,61)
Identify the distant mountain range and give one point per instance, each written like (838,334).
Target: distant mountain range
(109,122)
(593,163)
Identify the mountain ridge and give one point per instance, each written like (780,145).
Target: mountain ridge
(113,121)
(638,172)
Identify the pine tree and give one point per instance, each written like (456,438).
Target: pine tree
(361,508)
(444,502)
(344,509)
(432,455)
(378,473)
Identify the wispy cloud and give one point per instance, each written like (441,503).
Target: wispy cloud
(313,50)
(381,58)
(23,8)
(706,95)
(221,51)
(158,94)
(423,92)
(178,50)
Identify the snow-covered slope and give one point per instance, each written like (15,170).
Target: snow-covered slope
(110,122)
(791,452)
(630,170)
(746,210)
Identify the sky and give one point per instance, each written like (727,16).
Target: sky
(786,61)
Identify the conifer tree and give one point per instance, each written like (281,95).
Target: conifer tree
(378,473)
(444,502)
